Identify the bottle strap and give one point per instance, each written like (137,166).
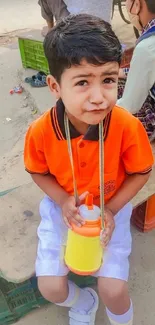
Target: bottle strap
(101,171)
(101,164)
(67,131)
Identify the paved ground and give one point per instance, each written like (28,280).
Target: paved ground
(18,15)
(25,15)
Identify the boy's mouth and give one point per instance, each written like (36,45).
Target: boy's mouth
(97,108)
(97,111)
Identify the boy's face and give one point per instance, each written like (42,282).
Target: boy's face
(89,92)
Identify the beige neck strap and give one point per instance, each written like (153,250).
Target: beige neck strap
(101,164)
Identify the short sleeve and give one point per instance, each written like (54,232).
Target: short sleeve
(53,8)
(34,157)
(46,11)
(136,149)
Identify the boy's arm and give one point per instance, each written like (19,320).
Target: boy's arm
(131,186)
(36,164)
(137,157)
(50,186)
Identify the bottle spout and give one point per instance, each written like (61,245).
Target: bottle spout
(89,201)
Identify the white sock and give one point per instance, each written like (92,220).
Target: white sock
(125,319)
(78,299)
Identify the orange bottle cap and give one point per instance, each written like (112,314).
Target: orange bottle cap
(89,201)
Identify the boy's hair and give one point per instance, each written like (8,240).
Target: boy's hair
(151,5)
(78,37)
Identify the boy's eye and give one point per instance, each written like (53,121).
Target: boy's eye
(82,83)
(109,80)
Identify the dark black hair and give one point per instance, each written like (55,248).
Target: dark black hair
(78,37)
(151,5)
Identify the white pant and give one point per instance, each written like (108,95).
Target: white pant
(52,234)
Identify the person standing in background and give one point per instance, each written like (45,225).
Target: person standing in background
(51,9)
(57,9)
(139,89)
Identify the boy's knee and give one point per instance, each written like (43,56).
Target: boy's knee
(112,290)
(53,289)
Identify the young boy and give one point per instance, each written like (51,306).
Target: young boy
(84,57)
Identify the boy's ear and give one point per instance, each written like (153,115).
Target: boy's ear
(53,85)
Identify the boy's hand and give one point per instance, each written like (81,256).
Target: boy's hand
(70,211)
(109,227)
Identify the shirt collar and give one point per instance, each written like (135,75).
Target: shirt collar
(150,24)
(57,119)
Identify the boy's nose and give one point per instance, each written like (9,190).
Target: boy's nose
(96,96)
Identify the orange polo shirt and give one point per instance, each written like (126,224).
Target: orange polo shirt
(126,151)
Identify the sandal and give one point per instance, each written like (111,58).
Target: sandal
(39,76)
(39,82)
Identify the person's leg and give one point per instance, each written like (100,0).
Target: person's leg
(114,294)
(114,272)
(58,290)
(52,271)
(53,288)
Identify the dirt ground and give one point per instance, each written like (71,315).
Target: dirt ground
(19,110)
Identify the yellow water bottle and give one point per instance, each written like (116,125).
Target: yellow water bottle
(84,251)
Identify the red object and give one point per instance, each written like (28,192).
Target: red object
(126,58)
(143,216)
(17,90)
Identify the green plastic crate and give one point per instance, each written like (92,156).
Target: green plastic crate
(32,55)
(17,300)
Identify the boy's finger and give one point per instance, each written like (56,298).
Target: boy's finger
(83,196)
(76,222)
(67,223)
(110,225)
(79,218)
(105,237)
(73,209)
(104,233)
(76,217)
(105,243)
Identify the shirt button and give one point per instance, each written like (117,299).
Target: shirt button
(81,145)
(83,164)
